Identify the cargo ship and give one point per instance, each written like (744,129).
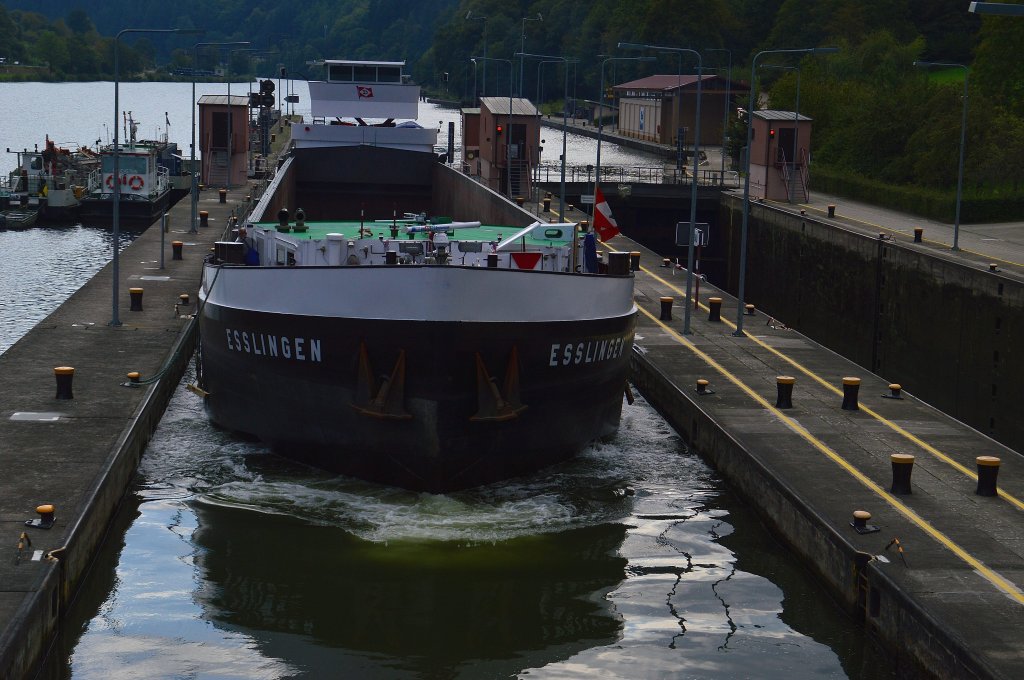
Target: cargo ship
(380,314)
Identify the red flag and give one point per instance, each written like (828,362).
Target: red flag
(365,92)
(604,223)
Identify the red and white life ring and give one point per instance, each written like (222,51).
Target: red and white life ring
(110,181)
(136,182)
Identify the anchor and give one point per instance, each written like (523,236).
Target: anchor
(495,405)
(387,400)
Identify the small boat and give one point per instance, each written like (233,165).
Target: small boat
(428,353)
(50,182)
(18,219)
(142,182)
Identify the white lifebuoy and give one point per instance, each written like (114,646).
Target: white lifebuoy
(136,182)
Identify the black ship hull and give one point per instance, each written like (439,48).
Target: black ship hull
(422,404)
(98,209)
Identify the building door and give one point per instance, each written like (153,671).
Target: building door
(784,152)
(219,130)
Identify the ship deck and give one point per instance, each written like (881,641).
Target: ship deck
(382,229)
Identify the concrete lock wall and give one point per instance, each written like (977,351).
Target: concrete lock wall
(951,332)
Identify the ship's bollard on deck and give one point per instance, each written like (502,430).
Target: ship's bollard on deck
(618,263)
(64,375)
(176,249)
(784,387)
(851,387)
(666,308)
(988,471)
(715,307)
(902,466)
(135,294)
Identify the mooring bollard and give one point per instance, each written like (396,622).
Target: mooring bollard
(176,250)
(784,386)
(715,307)
(851,386)
(634,261)
(204,218)
(993,267)
(547,204)
(46,513)
(666,308)
(860,522)
(618,263)
(183,299)
(749,309)
(135,294)
(831,210)
(665,262)
(223,195)
(988,470)
(702,386)
(64,375)
(133,378)
(918,231)
(902,466)
(895,391)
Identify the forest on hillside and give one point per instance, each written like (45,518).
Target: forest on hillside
(880,122)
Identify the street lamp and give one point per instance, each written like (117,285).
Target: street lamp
(508,137)
(963,139)
(600,115)
(116,207)
(740,307)
(696,163)
(728,103)
(996,8)
(522,48)
(470,17)
(565,121)
(195,188)
(231,112)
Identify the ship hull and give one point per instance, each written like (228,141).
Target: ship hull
(134,211)
(467,401)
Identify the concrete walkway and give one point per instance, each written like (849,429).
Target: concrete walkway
(940,580)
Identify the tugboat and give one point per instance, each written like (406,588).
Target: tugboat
(145,183)
(350,330)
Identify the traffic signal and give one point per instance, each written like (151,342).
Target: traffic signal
(267,86)
(500,128)
(771,133)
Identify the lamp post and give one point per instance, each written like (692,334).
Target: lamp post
(194,190)
(522,48)
(470,17)
(565,122)
(996,8)
(728,104)
(696,164)
(508,137)
(963,140)
(600,115)
(116,206)
(740,307)
(231,112)
(796,123)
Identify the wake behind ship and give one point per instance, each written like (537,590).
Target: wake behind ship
(427,352)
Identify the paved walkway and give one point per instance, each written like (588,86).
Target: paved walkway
(951,589)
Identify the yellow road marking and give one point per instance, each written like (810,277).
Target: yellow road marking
(976,564)
(900,231)
(945,458)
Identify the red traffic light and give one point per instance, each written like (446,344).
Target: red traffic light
(771,132)
(500,128)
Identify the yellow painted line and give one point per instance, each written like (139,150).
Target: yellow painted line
(900,231)
(1010,498)
(976,564)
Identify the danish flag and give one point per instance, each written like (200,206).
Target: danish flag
(364,92)
(604,223)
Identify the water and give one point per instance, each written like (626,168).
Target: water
(632,561)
